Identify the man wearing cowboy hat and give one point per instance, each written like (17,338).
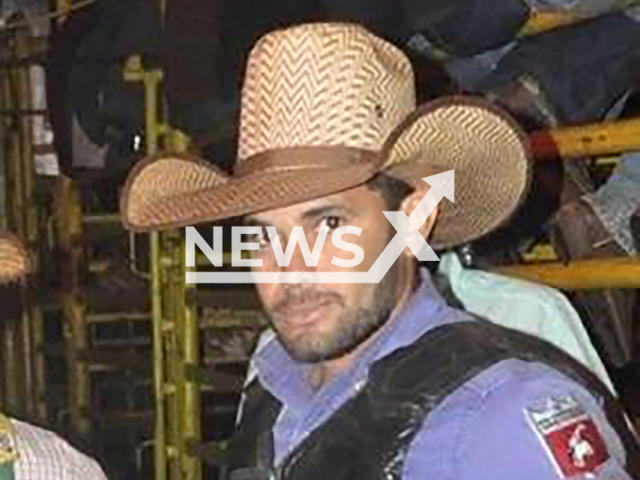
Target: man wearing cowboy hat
(28,452)
(380,380)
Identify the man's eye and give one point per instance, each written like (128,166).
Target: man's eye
(332,222)
(260,238)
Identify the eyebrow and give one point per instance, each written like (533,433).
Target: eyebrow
(321,211)
(252,221)
(327,210)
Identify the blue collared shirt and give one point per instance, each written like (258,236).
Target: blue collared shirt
(489,428)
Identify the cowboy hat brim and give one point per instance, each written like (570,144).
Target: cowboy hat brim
(173,191)
(13,258)
(487,150)
(483,145)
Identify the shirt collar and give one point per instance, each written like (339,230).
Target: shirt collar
(286,379)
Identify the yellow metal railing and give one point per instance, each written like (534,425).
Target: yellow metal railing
(24,336)
(175,330)
(541,21)
(595,139)
(69,225)
(583,274)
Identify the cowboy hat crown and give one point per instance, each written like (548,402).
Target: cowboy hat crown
(323,85)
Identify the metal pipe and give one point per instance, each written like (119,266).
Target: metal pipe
(192,431)
(22,112)
(12,391)
(29,221)
(172,328)
(68,214)
(114,317)
(135,73)
(541,21)
(203,261)
(158,360)
(21,371)
(33,313)
(590,140)
(584,274)
(100,219)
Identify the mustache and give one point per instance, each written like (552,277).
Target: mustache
(295,297)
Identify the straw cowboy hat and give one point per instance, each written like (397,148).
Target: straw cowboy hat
(325,107)
(13,258)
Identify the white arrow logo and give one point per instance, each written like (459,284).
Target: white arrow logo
(407,235)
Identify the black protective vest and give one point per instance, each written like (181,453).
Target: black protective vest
(368,437)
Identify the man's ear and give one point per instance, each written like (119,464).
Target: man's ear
(411,202)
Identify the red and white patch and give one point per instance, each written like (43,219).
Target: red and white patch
(569,436)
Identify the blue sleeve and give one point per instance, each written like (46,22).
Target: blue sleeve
(522,421)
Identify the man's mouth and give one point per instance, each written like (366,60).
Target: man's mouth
(305,313)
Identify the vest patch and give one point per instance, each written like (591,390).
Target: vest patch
(569,436)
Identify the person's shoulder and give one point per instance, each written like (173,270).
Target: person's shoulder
(523,417)
(519,378)
(41,450)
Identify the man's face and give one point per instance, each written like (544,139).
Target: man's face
(317,322)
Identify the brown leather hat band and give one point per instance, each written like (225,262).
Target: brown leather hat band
(296,158)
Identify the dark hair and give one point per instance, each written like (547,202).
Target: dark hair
(392,190)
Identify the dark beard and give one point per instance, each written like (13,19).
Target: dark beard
(344,340)
(353,328)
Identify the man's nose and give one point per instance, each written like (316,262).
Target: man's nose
(298,263)
(298,270)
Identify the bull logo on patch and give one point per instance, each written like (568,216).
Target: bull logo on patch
(579,448)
